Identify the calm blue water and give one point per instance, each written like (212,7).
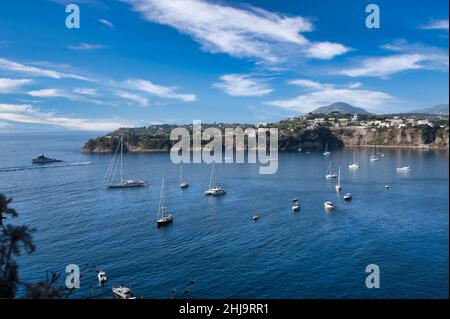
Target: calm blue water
(310,254)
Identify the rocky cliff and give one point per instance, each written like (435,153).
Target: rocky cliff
(394,137)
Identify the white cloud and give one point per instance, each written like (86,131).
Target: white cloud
(325,94)
(240,32)
(141,100)
(11,85)
(242,85)
(436,25)
(309,84)
(106,22)
(85,91)
(86,47)
(407,57)
(52,93)
(15,107)
(158,90)
(355,85)
(384,66)
(16,67)
(28,114)
(326,50)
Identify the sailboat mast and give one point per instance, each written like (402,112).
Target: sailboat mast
(339,176)
(212,176)
(181,172)
(161,201)
(121,158)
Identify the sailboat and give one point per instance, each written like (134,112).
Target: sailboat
(183,184)
(214,189)
(326,152)
(373,157)
(117,161)
(354,164)
(338,185)
(329,173)
(163,218)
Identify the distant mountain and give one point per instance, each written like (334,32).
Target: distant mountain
(340,107)
(437,109)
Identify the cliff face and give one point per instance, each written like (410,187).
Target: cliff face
(400,137)
(318,138)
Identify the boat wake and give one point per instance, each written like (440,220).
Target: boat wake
(30,167)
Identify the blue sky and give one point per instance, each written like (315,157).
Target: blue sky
(136,62)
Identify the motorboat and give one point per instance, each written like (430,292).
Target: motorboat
(123,292)
(328,205)
(348,196)
(102,277)
(403,169)
(42,159)
(295,205)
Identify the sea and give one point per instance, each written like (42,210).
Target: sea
(214,249)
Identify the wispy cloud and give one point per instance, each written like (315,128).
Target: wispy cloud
(240,32)
(12,85)
(436,25)
(310,84)
(139,99)
(158,90)
(407,57)
(52,93)
(86,47)
(15,67)
(106,22)
(86,91)
(29,115)
(242,85)
(325,94)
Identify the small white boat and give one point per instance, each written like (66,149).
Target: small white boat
(326,152)
(386,186)
(373,157)
(348,196)
(183,184)
(338,186)
(380,154)
(102,277)
(214,190)
(328,205)
(255,217)
(354,164)
(163,218)
(330,174)
(403,169)
(123,293)
(295,205)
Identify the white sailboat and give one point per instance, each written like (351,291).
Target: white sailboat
(329,173)
(164,218)
(183,184)
(214,189)
(338,185)
(354,164)
(326,152)
(373,157)
(117,162)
